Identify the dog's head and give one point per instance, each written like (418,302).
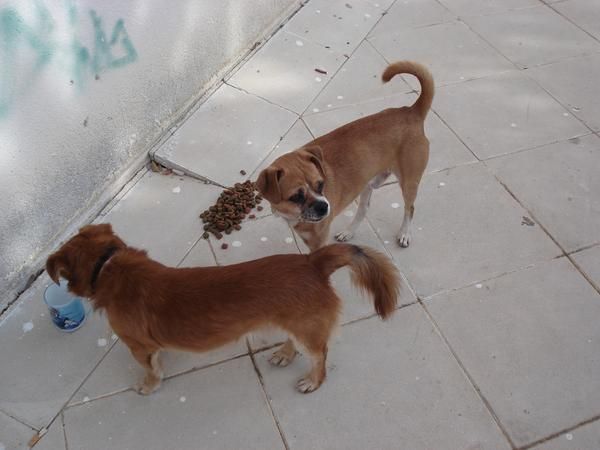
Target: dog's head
(295,186)
(80,259)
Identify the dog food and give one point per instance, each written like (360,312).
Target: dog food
(232,206)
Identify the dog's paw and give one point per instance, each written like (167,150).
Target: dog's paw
(344,236)
(281,358)
(145,388)
(307,385)
(403,240)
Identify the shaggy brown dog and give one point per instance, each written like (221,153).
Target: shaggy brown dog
(153,307)
(311,185)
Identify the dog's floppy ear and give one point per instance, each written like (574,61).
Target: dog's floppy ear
(268,184)
(57,266)
(315,155)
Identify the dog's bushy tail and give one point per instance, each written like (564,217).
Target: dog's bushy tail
(372,272)
(423,103)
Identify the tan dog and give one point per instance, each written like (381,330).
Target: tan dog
(311,185)
(153,307)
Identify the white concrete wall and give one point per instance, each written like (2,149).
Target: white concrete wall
(86,87)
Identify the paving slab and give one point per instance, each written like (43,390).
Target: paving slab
(221,407)
(13,434)
(412,14)
(390,385)
(160,214)
(559,184)
(480,7)
(283,71)
(43,366)
(511,113)
(230,126)
(451,51)
(589,261)
(352,23)
(359,80)
(584,438)
(574,82)
(533,36)
(585,13)
(119,371)
(529,340)
(257,238)
(466,228)
(446,150)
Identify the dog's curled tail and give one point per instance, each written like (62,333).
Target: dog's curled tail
(372,272)
(423,103)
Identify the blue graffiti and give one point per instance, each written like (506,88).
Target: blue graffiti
(19,38)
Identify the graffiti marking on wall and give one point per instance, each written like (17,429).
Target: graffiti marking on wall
(28,46)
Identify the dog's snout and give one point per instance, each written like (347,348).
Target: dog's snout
(320,207)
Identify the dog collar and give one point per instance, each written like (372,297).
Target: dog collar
(100,264)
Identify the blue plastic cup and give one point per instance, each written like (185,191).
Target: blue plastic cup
(66,310)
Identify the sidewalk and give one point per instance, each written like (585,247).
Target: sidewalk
(496,344)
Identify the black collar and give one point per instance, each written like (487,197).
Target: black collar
(100,263)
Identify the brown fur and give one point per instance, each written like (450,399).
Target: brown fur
(353,160)
(153,307)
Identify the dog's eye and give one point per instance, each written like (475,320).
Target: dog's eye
(298,197)
(320,186)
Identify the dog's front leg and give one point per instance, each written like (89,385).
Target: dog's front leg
(314,235)
(363,206)
(361,212)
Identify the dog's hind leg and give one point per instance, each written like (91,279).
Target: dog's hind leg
(284,354)
(148,359)
(363,206)
(409,176)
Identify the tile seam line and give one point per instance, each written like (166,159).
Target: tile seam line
(566,108)
(469,378)
(584,248)
(434,111)
(271,102)
(447,291)
(166,378)
(572,22)
(66,404)
(535,147)
(19,420)
(547,232)
(513,63)
(261,382)
(64,430)
(559,433)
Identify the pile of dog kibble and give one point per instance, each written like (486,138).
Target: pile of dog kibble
(232,206)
